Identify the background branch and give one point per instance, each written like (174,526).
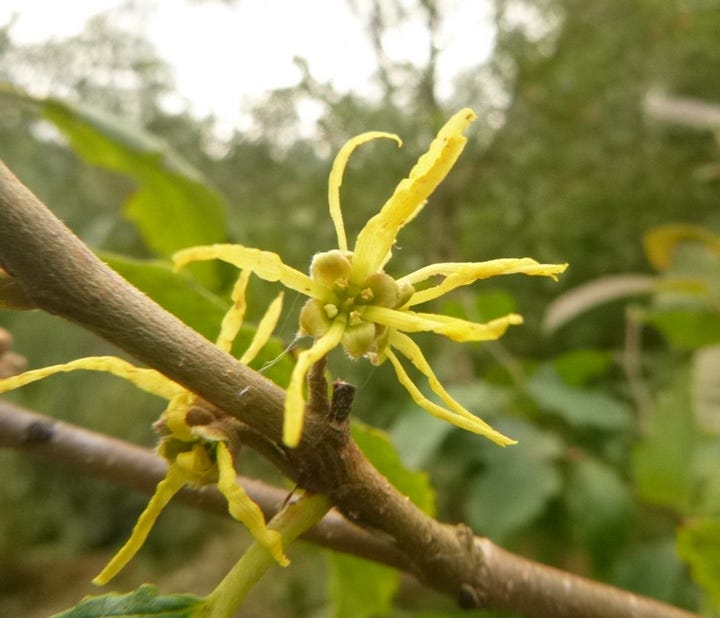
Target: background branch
(137,468)
(57,273)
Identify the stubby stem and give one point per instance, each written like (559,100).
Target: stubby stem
(292,521)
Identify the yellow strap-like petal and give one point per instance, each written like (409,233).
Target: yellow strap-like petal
(408,321)
(464,330)
(458,274)
(474,424)
(375,240)
(453,328)
(166,489)
(148,380)
(294,399)
(243,509)
(336,177)
(413,353)
(233,319)
(264,330)
(264,264)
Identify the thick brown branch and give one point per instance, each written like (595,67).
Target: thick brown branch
(59,274)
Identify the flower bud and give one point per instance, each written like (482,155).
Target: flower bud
(385,292)
(313,319)
(405,291)
(376,352)
(357,340)
(330,269)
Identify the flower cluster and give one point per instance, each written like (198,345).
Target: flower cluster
(198,440)
(354,303)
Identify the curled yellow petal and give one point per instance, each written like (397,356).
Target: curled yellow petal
(294,399)
(243,509)
(148,380)
(458,274)
(374,242)
(456,329)
(264,264)
(336,176)
(264,330)
(414,354)
(472,424)
(233,319)
(166,489)
(463,330)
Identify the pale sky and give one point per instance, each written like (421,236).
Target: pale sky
(194,38)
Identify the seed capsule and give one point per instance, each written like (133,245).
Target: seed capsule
(330,269)
(313,319)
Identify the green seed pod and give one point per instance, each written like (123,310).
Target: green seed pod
(357,340)
(376,353)
(405,291)
(330,269)
(385,292)
(313,319)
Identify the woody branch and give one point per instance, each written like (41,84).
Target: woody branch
(56,272)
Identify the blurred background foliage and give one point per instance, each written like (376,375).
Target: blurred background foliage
(597,136)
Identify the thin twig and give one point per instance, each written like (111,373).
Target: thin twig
(139,469)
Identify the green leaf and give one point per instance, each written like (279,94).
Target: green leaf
(176,292)
(581,407)
(494,304)
(379,449)
(662,461)
(417,435)
(145,601)
(698,544)
(507,498)
(578,367)
(705,388)
(173,207)
(687,328)
(601,507)
(488,305)
(705,474)
(273,361)
(653,570)
(516,483)
(360,588)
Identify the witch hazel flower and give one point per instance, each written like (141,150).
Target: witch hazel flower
(198,440)
(355,304)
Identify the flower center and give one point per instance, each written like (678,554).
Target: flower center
(346,300)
